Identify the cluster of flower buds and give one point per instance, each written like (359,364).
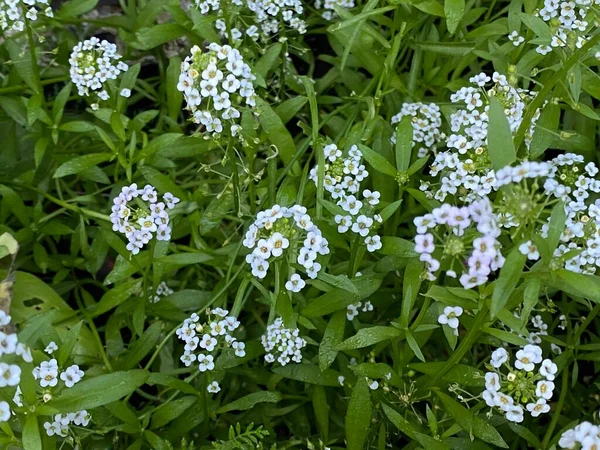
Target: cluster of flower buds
(205,340)
(139,215)
(216,85)
(162,290)
(520,386)
(426,122)
(451,237)
(280,228)
(282,344)
(93,63)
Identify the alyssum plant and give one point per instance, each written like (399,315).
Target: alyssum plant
(243,224)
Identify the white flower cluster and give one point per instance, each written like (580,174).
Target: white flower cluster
(361,218)
(464,235)
(216,84)
(162,290)
(342,179)
(327,5)
(48,374)
(568,178)
(343,175)
(585,435)
(11,13)
(279,228)
(282,344)
(272,15)
(139,222)
(93,63)
(426,123)
(465,169)
(60,426)
(568,23)
(10,373)
(522,387)
(450,317)
(209,338)
(355,308)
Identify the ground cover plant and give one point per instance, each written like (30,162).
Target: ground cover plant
(278,224)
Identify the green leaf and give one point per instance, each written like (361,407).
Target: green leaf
(148,38)
(94,392)
(250,400)
(509,277)
(334,333)
(309,373)
(268,61)
(414,346)
(459,373)
(81,163)
(68,343)
(370,336)
(276,131)
(172,411)
(185,259)
(501,147)
(447,48)
(404,143)
(505,336)
(339,281)
(399,421)
(410,289)
(471,423)
(358,416)
(74,8)
(340,298)
(453,10)
(558,218)
(117,295)
(531,295)
(378,161)
(537,25)
(174,97)
(577,284)
(141,347)
(32,439)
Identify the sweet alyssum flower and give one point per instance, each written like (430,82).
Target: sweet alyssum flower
(519,387)
(585,436)
(216,85)
(10,372)
(162,290)
(60,426)
(282,344)
(355,308)
(93,63)
(204,341)
(14,13)
(278,229)
(426,122)
(48,374)
(462,240)
(139,215)
(450,317)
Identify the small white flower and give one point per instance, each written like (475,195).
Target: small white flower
(213,387)
(450,316)
(295,283)
(125,93)
(51,348)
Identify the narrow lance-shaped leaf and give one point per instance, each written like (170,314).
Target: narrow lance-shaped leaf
(501,147)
